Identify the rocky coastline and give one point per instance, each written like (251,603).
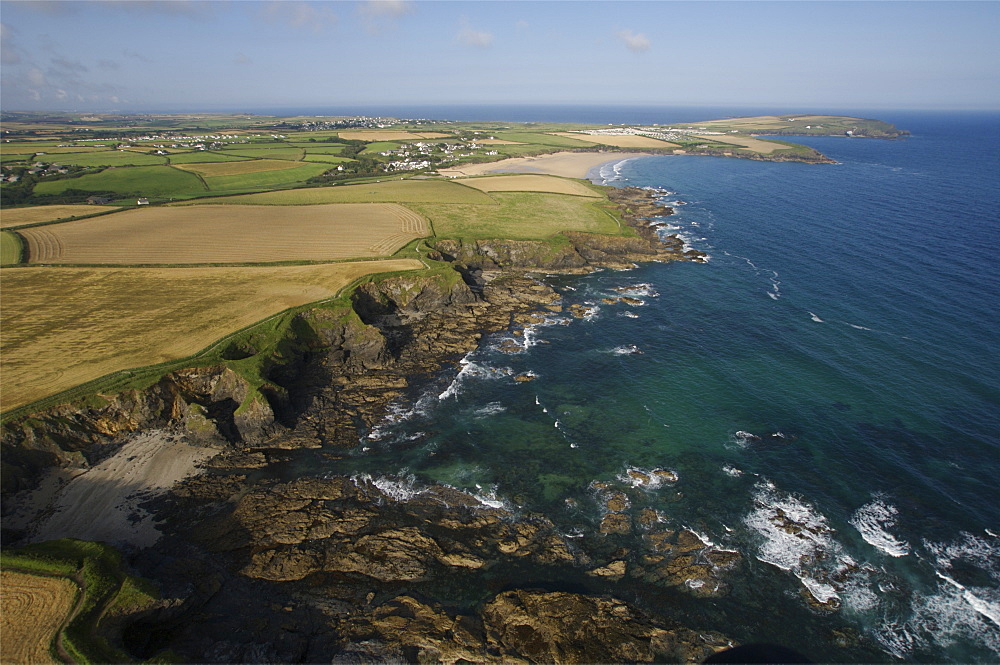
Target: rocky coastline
(256,568)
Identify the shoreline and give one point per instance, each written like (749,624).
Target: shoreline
(564,164)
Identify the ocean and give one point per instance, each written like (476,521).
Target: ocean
(833,365)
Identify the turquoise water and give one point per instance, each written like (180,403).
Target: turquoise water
(835,359)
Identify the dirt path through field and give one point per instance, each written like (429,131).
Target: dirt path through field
(102,503)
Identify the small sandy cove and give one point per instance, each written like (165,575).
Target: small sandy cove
(565,164)
(102,502)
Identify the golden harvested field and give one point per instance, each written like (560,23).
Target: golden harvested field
(211,169)
(66,326)
(618,141)
(757,145)
(228,234)
(18,216)
(529,183)
(389,135)
(34,609)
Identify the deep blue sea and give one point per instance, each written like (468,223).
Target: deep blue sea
(835,361)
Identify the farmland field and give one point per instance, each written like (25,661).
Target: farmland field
(204,156)
(228,234)
(10,248)
(283,177)
(106,158)
(281,151)
(34,610)
(530,183)
(326,158)
(18,216)
(151,181)
(66,326)
(757,145)
(391,191)
(390,135)
(544,139)
(214,169)
(619,140)
(520,216)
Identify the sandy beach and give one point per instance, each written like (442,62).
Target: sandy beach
(102,503)
(565,164)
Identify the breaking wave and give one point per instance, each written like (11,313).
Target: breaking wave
(873,521)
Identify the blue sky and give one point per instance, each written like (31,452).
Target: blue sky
(98,55)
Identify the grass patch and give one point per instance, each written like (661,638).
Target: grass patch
(11,248)
(520,216)
(531,183)
(149,181)
(541,139)
(66,326)
(325,158)
(390,191)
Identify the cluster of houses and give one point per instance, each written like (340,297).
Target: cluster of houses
(412,153)
(14,173)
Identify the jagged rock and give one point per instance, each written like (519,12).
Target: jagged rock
(555,627)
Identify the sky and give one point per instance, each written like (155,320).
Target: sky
(239,55)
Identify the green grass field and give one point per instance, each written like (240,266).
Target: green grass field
(520,216)
(326,158)
(149,181)
(321,148)
(204,157)
(392,191)
(283,152)
(11,248)
(106,158)
(265,179)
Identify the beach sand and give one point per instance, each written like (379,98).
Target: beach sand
(566,164)
(102,503)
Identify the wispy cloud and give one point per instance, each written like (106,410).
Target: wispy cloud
(242,59)
(312,16)
(472,37)
(377,15)
(9,53)
(636,42)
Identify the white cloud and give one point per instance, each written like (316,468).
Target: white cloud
(392,8)
(300,14)
(242,59)
(9,53)
(377,15)
(36,77)
(471,37)
(637,42)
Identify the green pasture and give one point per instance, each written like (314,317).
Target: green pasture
(325,158)
(520,216)
(321,148)
(284,152)
(106,158)
(11,248)
(148,181)
(391,191)
(265,179)
(204,157)
(376,147)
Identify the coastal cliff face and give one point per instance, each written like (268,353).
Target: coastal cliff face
(347,569)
